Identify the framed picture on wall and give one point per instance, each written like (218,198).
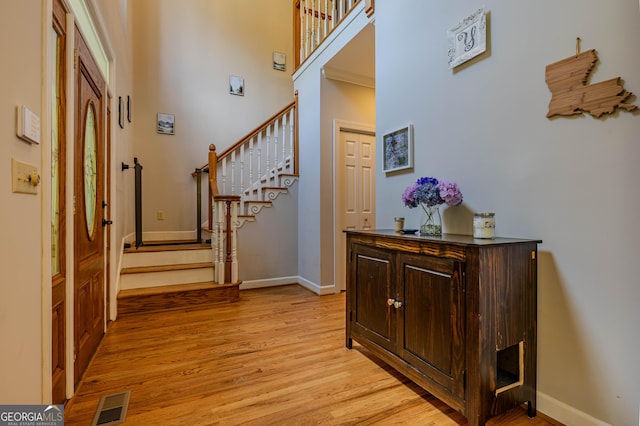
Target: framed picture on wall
(236,85)
(398,149)
(279,61)
(467,39)
(166,124)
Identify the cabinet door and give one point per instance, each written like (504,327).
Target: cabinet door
(431,329)
(371,285)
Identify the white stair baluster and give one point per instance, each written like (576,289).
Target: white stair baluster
(250,184)
(234,243)
(268,152)
(292,125)
(258,181)
(284,143)
(276,166)
(233,173)
(242,185)
(223,189)
(219,254)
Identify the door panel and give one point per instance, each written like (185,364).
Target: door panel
(89,193)
(432,332)
(58,211)
(373,286)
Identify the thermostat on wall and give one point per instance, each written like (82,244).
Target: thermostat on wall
(27,125)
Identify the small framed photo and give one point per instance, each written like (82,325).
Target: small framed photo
(236,85)
(398,149)
(468,38)
(166,124)
(279,61)
(120,112)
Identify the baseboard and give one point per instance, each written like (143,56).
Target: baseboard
(273,282)
(564,413)
(268,282)
(317,289)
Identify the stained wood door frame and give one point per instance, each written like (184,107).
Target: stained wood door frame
(60,280)
(68,183)
(339,250)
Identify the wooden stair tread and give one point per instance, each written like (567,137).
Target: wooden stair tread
(164,268)
(166,289)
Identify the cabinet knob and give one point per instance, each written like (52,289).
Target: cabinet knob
(390,302)
(397,304)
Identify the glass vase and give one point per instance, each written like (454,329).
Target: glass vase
(431,223)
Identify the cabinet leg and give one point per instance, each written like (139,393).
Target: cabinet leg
(531,409)
(349,343)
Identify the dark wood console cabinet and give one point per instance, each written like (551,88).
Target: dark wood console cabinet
(456,315)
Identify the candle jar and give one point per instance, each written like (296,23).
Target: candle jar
(484,225)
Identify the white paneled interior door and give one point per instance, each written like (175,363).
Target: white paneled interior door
(359,180)
(355,190)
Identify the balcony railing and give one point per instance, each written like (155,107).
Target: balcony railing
(313,21)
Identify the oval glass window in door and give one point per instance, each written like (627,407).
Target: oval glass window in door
(90,169)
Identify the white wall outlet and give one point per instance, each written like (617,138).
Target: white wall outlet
(24,177)
(160,215)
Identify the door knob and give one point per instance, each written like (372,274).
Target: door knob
(106,222)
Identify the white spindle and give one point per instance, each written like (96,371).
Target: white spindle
(259,188)
(233,173)
(219,239)
(268,152)
(276,166)
(292,125)
(284,142)
(223,189)
(242,185)
(322,15)
(234,243)
(250,185)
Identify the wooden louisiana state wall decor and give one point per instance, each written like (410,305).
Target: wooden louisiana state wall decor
(570,93)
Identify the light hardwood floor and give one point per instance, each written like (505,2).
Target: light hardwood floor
(276,357)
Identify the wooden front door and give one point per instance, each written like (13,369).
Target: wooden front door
(89,279)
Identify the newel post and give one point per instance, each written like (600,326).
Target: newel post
(224,241)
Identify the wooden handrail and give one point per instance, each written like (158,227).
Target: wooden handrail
(261,127)
(257,130)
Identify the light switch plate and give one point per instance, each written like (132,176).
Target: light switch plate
(24,177)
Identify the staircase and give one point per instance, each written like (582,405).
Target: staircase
(159,277)
(253,173)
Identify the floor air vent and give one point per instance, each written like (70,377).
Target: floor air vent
(112,409)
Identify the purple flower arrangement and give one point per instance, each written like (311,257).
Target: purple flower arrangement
(431,192)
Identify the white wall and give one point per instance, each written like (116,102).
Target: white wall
(184,54)
(25,249)
(348,103)
(570,181)
(317,109)
(21,248)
